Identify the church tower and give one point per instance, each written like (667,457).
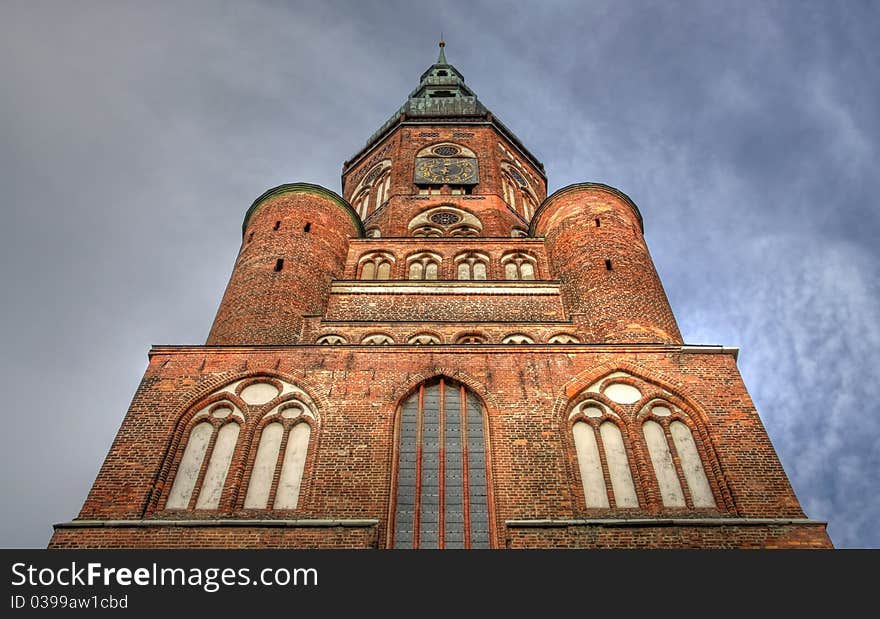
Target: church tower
(443,356)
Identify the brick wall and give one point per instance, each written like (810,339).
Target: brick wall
(263,305)
(606,270)
(527,391)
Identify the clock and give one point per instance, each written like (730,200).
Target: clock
(446,171)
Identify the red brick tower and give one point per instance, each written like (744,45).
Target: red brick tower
(443,356)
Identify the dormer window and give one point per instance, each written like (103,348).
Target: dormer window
(441,94)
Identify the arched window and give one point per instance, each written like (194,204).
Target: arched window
(601,454)
(518,192)
(472,265)
(440,483)
(667,435)
(424,265)
(201,474)
(464,231)
(424,339)
(377,339)
(470,338)
(376,265)
(373,190)
(563,338)
(383,187)
(518,265)
(445,220)
(331,339)
(517,338)
(427,231)
(282,447)
(361,202)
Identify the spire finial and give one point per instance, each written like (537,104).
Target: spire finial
(442,58)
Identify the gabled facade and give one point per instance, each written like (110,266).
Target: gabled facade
(442,357)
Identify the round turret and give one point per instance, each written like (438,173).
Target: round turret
(295,242)
(596,248)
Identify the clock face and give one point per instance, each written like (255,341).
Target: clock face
(446,171)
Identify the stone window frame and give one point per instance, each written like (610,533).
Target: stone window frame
(483,339)
(519,196)
(322,340)
(610,413)
(272,413)
(425,259)
(373,189)
(576,339)
(507,339)
(375,335)
(198,415)
(472,257)
(437,339)
(377,259)
(249,417)
(646,413)
(519,258)
(469,225)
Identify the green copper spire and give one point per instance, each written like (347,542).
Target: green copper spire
(443,97)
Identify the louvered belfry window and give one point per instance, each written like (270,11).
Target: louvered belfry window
(441,498)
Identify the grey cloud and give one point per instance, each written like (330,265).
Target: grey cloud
(133,137)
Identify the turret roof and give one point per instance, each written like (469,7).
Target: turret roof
(442,96)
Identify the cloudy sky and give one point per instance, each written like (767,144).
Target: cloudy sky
(134,135)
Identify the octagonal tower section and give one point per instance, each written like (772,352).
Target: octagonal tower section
(443,149)
(295,240)
(595,244)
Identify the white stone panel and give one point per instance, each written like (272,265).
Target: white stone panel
(618,466)
(190,465)
(264,467)
(622,393)
(222,412)
(691,465)
(215,476)
(595,386)
(664,467)
(590,465)
(593,411)
(259,393)
(287,495)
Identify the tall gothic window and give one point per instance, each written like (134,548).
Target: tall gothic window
(373,190)
(278,466)
(518,193)
(376,265)
(667,435)
(441,487)
(601,455)
(518,266)
(201,473)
